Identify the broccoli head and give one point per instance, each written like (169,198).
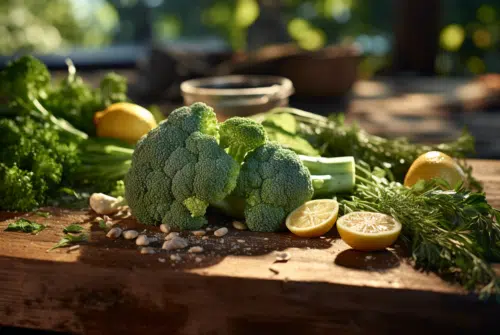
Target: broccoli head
(178,169)
(273,181)
(241,135)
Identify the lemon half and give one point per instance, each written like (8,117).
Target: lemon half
(124,121)
(434,164)
(314,218)
(368,231)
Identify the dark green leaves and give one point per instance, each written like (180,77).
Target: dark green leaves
(25,226)
(68,240)
(73,229)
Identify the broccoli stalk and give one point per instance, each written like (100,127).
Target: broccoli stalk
(330,175)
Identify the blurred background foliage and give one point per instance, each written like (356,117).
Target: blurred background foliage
(468,39)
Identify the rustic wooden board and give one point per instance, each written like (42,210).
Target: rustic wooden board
(108,287)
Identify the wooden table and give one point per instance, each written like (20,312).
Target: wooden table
(108,287)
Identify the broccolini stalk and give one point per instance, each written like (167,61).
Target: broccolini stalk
(330,175)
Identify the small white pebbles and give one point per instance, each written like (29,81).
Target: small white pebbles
(175,243)
(142,240)
(239,225)
(164,228)
(221,232)
(130,234)
(114,233)
(171,236)
(195,249)
(198,232)
(147,250)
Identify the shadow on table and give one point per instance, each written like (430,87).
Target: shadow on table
(103,251)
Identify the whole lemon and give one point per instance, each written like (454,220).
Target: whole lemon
(434,164)
(124,121)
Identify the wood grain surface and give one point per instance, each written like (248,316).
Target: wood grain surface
(108,287)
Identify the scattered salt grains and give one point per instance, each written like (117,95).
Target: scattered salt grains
(164,228)
(142,240)
(161,260)
(283,256)
(175,258)
(195,249)
(239,225)
(130,234)
(175,243)
(221,232)
(199,232)
(266,239)
(221,240)
(248,249)
(240,241)
(197,259)
(114,233)
(147,251)
(171,236)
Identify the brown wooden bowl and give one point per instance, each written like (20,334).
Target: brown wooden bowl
(329,72)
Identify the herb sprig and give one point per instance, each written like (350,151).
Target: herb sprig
(453,233)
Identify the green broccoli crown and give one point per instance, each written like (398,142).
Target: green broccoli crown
(241,135)
(274,182)
(178,169)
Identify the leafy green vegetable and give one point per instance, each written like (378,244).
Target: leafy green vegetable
(42,214)
(451,232)
(73,229)
(42,153)
(334,138)
(25,226)
(68,240)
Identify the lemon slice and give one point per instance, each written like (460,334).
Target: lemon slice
(314,218)
(367,231)
(434,164)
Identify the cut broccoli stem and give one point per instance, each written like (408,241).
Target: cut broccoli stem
(330,175)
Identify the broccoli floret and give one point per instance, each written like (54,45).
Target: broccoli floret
(241,135)
(178,169)
(274,182)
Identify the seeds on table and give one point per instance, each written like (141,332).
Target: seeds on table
(199,232)
(239,225)
(130,234)
(147,250)
(195,249)
(171,236)
(164,228)
(142,240)
(114,233)
(221,232)
(175,243)
(283,256)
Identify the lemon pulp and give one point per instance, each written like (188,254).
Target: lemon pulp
(368,231)
(313,218)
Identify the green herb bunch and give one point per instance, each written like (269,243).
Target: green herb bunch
(453,233)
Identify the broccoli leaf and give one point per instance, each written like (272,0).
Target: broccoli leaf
(73,229)
(68,240)
(25,226)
